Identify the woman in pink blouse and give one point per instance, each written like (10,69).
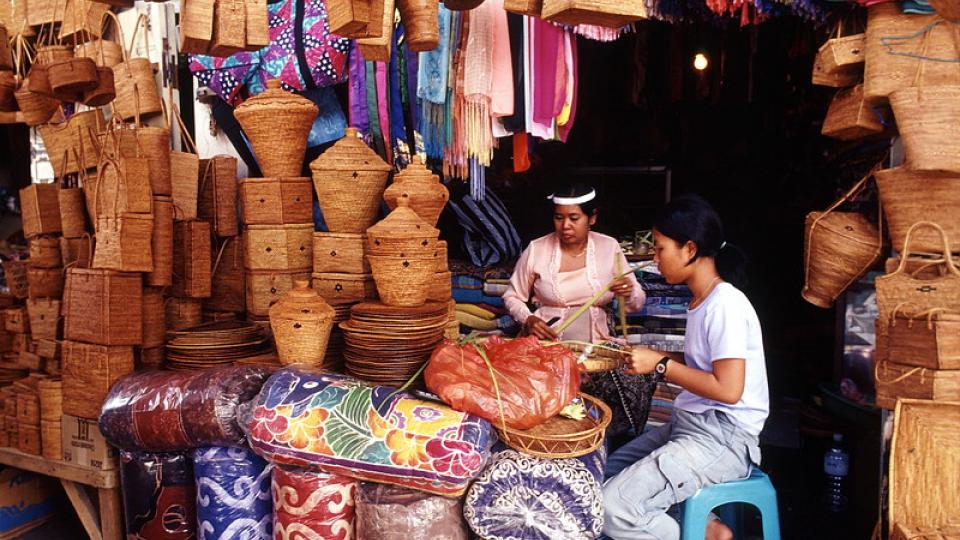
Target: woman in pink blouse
(561,271)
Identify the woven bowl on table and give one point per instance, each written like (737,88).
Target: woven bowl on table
(561,437)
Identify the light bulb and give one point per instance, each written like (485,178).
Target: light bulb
(700,62)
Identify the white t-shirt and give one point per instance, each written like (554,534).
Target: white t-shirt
(725,325)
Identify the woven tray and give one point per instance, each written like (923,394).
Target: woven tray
(561,437)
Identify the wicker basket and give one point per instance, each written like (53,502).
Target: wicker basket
(403,281)
(124,243)
(929,122)
(88,372)
(45,252)
(426,195)
(48,349)
(912,196)
(8,87)
(154,143)
(218,194)
(560,437)
(420,22)
(73,143)
(339,253)
(77,252)
(37,109)
(154,318)
(228,291)
(840,248)
(196,26)
(28,409)
(349,179)
(16,320)
(403,233)
(73,215)
(378,46)
(345,288)
(45,282)
(184,173)
(898,381)
(105,91)
(608,13)
(162,243)
(38,82)
(104,52)
(925,338)
(28,439)
(839,62)
(277,123)
(257,24)
(43,12)
(45,318)
(192,263)
(350,18)
(441,288)
(81,20)
(301,322)
(72,77)
(103,307)
(265,288)
(229,28)
(284,247)
(15,273)
(51,436)
(137,93)
(850,117)
(50,392)
(276,201)
(122,186)
(183,313)
(40,209)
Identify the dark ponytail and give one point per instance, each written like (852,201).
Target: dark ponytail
(690,218)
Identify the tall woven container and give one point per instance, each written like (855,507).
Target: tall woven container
(72,145)
(929,122)
(155,146)
(277,124)
(421,24)
(40,209)
(279,247)
(196,26)
(217,201)
(154,318)
(137,93)
(276,201)
(911,196)
(45,282)
(608,13)
(183,313)
(51,439)
(227,291)
(77,252)
(45,318)
(301,322)
(192,262)
(73,216)
(44,252)
(264,288)
(50,392)
(840,247)
(349,179)
(88,372)
(377,47)
(162,243)
(103,307)
(426,195)
(184,172)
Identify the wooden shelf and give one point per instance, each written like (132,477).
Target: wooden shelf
(11,117)
(59,469)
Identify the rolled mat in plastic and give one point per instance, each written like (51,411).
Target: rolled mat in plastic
(310,504)
(233,494)
(159,497)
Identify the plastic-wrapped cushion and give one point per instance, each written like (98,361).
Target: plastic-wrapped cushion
(337,424)
(233,494)
(159,497)
(171,411)
(309,504)
(521,497)
(395,513)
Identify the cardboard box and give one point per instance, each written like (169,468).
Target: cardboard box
(27,500)
(84,445)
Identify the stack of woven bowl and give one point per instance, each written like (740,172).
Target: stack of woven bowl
(403,254)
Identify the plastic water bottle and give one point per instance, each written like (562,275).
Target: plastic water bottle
(836,465)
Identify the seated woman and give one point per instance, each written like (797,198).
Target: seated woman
(561,271)
(713,434)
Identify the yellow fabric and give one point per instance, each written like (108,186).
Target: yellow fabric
(477,311)
(472,321)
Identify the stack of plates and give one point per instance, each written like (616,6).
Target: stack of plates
(215,344)
(334,357)
(386,345)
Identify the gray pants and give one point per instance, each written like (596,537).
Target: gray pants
(668,465)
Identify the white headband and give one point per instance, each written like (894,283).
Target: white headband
(574,200)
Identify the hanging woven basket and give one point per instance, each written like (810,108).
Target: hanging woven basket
(105,91)
(277,124)
(929,122)
(8,88)
(420,22)
(72,77)
(301,322)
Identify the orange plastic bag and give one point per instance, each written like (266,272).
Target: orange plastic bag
(535,380)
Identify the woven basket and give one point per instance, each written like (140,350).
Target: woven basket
(105,91)
(40,209)
(608,13)
(37,109)
(73,143)
(301,322)
(29,360)
(8,88)
(162,243)
(344,288)
(218,194)
(50,53)
(72,77)
(898,42)
(350,18)
(339,253)
(228,291)
(839,248)
(402,233)
(420,22)
(155,146)
(73,215)
(43,12)
(38,82)
(184,172)
(77,252)
(45,282)
(925,338)
(45,252)
(948,9)
(229,28)
(124,243)
(15,273)
(88,372)
(378,46)
(28,439)
(196,26)
(425,194)
(50,392)
(154,318)
(441,289)
(923,465)
(283,247)
(137,93)
(912,196)
(898,381)
(349,179)
(48,349)
(104,52)
(183,313)
(51,436)
(403,281)
(103,307)
(559,437)
(276,201)
(929,122)
(258,24)
(28,409)
(45,318)
(277,123)
(850,117)
(265,288)
(192,262)
(839,62)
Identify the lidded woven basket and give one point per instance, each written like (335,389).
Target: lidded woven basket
(403,233)
(301,322)
(349,179)
(277,123)
(426,195)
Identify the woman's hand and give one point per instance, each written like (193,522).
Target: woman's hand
(643,360)
(535,326)
(622,287)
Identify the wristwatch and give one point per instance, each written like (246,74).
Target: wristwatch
(661,369)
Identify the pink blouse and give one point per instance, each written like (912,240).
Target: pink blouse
(537,274)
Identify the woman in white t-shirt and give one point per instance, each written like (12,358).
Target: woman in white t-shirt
(713,434)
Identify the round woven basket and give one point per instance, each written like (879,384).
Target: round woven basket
(38,82)
(841,247)
(420,23)
(277,123)
(561,437)
(154,319)
(403,233)
(45,282)
(162,241)
(45,252)
(301,322)
(105,91)
(73,218)
(441,290)
(426,195)
(349,179)
(71,77)
(50,391)
(597,359)
(403,282)
(51,439)
(48,54)
(36,108)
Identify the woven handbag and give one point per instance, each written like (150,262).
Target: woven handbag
(850,117)
(81,21)
(184,173)
(839,61)
(40,209)
(218,194)
(229,28)
(137,92)
(196,26)
(911,196)
(105,52)
(191,259)
(124,238)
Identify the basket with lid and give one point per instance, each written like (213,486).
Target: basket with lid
(426,195)
(403,233)
(277,123)
(301,322)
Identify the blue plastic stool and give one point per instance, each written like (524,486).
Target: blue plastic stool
(756,490)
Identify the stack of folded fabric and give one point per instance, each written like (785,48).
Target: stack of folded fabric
(662,405)
(664,314)
(479,296)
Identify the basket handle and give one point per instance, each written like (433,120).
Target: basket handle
(175,112)
(116,24)
(947,255)
(108,162)
(146,40)
(895,380)
(223,248)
